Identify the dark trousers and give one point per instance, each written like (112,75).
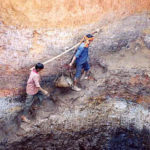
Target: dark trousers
(30,100)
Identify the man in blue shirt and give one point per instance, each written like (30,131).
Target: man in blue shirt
(81,59)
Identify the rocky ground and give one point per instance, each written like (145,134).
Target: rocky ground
(112,110)
(100,124)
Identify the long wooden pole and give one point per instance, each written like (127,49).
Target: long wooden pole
(52,59)
(61,54)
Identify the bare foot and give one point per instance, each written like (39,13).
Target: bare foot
(24,119)
(35,107)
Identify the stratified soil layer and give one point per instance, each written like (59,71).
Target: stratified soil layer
(64,13)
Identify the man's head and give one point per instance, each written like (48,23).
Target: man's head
(88,39)
(39,67)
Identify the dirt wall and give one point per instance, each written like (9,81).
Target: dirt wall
(64,13)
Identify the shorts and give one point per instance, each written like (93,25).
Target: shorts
(79,68)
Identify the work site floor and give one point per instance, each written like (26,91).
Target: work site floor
(111,112)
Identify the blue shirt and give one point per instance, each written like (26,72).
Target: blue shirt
(82,54)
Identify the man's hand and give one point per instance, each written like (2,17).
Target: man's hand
(71,64)
(45,93)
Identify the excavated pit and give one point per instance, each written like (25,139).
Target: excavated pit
(111,112)
(107,116)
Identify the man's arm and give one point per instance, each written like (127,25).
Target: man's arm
(72,62)
(77,55)
(43,91)
(37,84)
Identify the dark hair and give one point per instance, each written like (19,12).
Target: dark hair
(89,35)
(39,66)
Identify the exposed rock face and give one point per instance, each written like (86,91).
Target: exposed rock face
(112,124)
(52,13)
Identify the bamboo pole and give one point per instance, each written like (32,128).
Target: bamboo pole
(52,59)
